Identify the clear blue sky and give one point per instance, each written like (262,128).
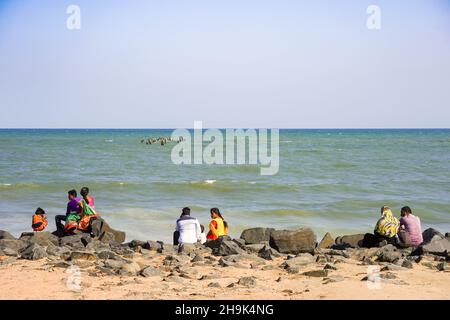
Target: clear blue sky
(230,63)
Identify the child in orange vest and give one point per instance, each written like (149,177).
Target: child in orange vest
(39,220)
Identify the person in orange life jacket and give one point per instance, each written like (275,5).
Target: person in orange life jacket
(39,220)
(218,226)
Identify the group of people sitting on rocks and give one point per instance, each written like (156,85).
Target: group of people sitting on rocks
(403,232)
(79,215)
(189,231)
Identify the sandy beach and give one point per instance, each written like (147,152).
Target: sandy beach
(131,272)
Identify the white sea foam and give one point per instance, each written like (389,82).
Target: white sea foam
(209,181)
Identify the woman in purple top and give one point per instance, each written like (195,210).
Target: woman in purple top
(410,228)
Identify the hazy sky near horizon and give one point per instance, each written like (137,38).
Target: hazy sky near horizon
(229,63)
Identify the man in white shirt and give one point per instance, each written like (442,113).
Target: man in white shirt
(188,228)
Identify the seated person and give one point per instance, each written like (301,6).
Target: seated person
(73,207)
(410,233)
(387,227)
(87,211)
(218,227)
(39,220)
(188,228)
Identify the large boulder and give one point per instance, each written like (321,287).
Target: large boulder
(430,234)
(43,238)
(102,230)
(256,235)
(436,246)
(13,244)
(6,235)
(350,241)
(297,241)
(227,248)
(388,253)
(77,241)
(33,251)
(326,242)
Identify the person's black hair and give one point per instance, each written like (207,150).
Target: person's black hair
(202,227)
(217,211)
(72,192)
(40,211)
(186,211)
(406,209)
(84,193)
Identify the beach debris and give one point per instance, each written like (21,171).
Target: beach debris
(333,279)
(150,272)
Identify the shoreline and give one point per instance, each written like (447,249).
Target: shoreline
(43,266)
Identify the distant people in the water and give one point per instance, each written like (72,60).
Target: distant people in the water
(39,220)
(218,227)
(73,207)
(410,233)
(188,228)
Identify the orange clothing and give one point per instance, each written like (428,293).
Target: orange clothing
(39,222)
(216,229)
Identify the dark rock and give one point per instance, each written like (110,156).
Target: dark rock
(226,263)
(107,254)
(12,244)
(431,234)
(407,264)
(329,266)
(388,253)
(301,260)
(78,241)
(254,248)
(256,235)
(332,279)
(41,238)
(214,285)
(9,252)
(152,245)
(82,255)
(326,242)
(239,242)
(436,246)
(100,228)
(60,252)
(443,266)
(391,267)
(298,241)
(316,273)
(136,243)
(268,253)
(33,252)
(352,241)
(130,269)
(227,248)
(293,269)
(6,235)
(247,281)
(198,258)
(151,272)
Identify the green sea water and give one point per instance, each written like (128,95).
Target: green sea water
(329,180)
